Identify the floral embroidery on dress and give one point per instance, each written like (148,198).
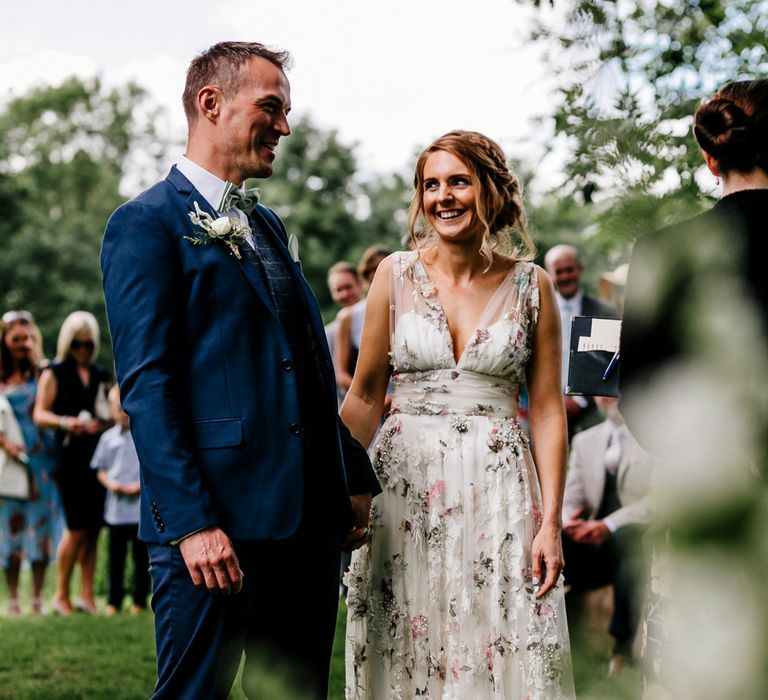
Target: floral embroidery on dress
(441,602)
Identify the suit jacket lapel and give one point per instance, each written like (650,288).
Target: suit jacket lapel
(250,272)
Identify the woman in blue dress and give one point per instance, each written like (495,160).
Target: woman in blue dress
(27,527)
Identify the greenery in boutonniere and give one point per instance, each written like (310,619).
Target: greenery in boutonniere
(230,231)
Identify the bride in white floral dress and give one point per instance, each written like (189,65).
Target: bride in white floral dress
(458,593)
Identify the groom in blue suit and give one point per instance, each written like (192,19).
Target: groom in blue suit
(249,482)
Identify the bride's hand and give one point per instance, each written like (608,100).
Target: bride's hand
(547,558)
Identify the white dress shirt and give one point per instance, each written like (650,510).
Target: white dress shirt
(568,308)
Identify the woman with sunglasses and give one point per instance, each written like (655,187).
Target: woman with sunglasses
(27,527)
(68,400)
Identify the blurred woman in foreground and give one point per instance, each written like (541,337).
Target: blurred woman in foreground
(694,370)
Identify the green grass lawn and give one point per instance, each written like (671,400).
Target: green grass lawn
(93,657)
(84,656)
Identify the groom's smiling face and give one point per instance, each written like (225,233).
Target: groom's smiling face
(252,120)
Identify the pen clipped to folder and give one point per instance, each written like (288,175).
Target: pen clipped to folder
(612,365)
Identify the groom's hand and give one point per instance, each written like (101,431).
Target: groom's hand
(211,561)
(358,535)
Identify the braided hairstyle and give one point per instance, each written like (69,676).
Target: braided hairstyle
(498,196)
(732,127)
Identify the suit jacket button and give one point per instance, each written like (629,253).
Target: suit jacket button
(160,527)
(287,364)
(295,429)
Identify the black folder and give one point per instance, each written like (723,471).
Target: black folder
(593,363)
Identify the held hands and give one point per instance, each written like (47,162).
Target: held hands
(212,562)
(76,426)
(125,489)
(574,522)
(594,532)
(73,426)
(547,556)
(14,451)
(93,427)
(358,535)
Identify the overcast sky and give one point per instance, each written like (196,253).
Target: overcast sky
(390,76)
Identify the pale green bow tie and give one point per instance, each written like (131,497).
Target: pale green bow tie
(244,198)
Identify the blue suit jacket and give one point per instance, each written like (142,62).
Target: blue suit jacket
(206,376)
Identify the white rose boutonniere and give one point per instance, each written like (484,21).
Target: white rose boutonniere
(232,232)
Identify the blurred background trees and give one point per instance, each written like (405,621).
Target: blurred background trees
(315,190)
(629,77)
(64,153)
(72,153)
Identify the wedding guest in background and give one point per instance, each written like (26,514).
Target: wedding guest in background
(27,527)
(370,260)
(346,291)
(612,285)
(605,510)
(694,375)
(350,320)
(72,399)
(117,466)
(344,285)
(564,266)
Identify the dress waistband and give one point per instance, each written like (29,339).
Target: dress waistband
(454,391)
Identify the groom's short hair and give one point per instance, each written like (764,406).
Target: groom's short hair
(220,66)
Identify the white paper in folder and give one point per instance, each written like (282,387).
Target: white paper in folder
(604,335)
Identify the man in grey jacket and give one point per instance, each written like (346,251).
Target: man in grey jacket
(605,509)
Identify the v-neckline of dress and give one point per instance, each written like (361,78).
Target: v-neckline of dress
(431,291)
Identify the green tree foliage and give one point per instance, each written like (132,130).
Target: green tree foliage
(67,149)
(630,77)
(64,152)
(315,191)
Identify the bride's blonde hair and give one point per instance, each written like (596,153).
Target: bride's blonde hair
(498,201)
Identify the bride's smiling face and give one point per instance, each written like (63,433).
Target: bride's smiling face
(448,197)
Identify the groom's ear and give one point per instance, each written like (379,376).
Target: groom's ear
(209,102)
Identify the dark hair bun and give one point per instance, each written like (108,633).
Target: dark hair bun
(733,126)
(723,130)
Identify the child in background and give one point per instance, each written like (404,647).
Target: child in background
(118,470)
